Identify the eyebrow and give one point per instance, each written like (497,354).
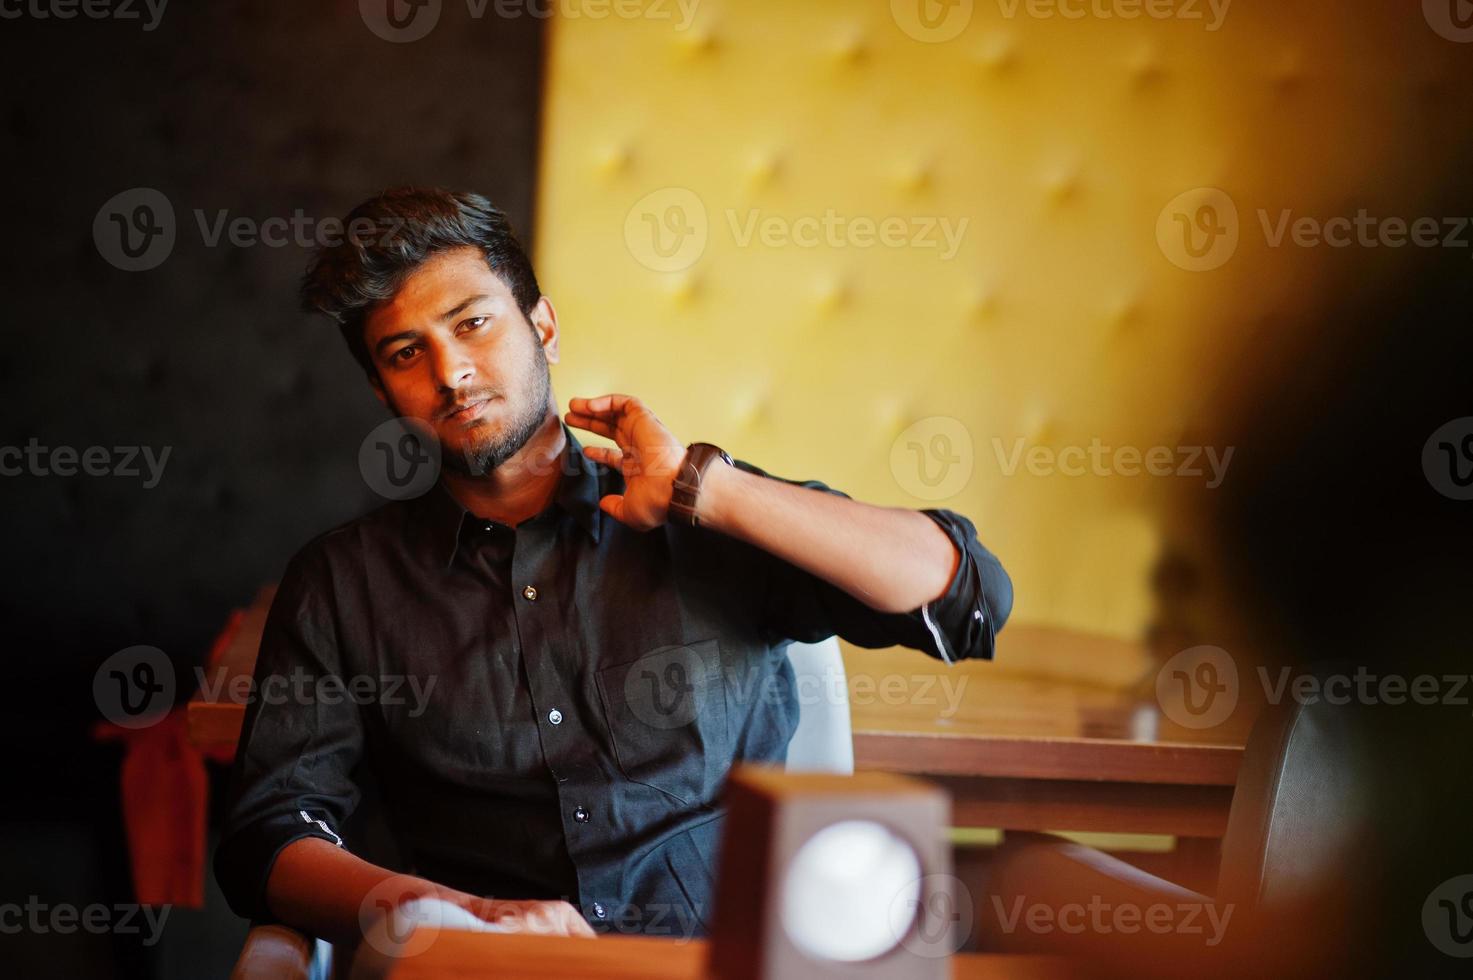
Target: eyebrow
(460,307)
(412,334)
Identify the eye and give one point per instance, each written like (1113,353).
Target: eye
(403,353)
(475,322)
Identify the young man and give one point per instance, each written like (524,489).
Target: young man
(598,634)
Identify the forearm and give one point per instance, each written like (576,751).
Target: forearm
(321,889)
(891,559)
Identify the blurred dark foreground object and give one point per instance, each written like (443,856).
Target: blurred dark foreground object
(1323,841)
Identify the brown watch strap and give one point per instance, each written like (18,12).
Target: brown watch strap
(698,457)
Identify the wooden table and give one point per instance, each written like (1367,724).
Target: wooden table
(1047,737)
(472,955)
(1079,744)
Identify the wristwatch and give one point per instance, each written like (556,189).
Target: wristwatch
(698,457)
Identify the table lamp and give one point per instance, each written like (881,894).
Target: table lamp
(825,875)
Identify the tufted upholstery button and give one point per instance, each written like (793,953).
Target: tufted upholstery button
(580,815)
(555,716)
(530,593)
(599,910)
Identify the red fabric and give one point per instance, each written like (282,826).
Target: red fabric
(166,801)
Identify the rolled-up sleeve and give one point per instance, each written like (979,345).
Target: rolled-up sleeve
(960,625)
(294,765)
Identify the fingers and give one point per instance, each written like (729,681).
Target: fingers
(536,917)
(601,426)
(577,925)
(613,505)
(605,413)
(604,405)
(610,457)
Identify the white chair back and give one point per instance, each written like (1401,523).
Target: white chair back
(824,741)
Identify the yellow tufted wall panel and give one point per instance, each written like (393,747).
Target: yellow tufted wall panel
(1059,319)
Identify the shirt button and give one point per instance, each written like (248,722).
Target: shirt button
(555,716)
(599,910)
(530,593)
(580,814)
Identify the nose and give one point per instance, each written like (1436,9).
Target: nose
(452,366)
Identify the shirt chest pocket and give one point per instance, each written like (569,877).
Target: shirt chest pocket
(666,713)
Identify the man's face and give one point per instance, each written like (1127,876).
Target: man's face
(453,349)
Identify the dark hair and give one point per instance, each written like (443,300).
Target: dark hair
(390,235)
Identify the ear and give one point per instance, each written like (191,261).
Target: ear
(544,321)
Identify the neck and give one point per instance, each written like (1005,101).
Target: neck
(520,488)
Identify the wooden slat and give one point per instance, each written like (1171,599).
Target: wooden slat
(474,955)
(1005,756)
(1056,804)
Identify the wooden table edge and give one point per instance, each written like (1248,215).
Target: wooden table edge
(1048,757)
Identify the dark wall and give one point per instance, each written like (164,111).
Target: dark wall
(260,109)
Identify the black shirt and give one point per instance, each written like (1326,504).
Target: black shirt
(546,711)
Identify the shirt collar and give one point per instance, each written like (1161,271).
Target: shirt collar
(577,494)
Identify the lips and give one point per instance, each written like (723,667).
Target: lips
(468,410)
